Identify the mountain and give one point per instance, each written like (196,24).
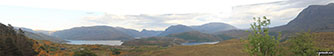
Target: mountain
(196,36)
(176,29)
(316,18)
(213,27)
(131,32)
(149,33)
(13,43)
(92,33)
(37,35)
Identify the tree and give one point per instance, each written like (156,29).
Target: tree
(260,43)
(302,45)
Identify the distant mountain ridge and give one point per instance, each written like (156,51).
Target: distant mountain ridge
(92,33)
(113,33)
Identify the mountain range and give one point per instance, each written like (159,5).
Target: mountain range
(119,33)
(315,18)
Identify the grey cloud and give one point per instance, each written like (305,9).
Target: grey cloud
(143,21)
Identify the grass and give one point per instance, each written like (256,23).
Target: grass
(227,48)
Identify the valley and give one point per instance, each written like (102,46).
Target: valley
(312,30)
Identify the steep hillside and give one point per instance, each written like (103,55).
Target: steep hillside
(316,18)
(213,27)
(176,29)
(14,43)
(92,33)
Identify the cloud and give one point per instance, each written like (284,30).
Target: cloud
(146,21)
(280,13)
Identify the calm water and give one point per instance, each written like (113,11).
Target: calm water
(200,43)
(94,42)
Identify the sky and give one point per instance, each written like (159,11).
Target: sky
(53,15)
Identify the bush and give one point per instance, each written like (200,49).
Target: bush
(84,53)
(115,51)
(302,45)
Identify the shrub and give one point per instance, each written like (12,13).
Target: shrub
(84,53)
(302,45)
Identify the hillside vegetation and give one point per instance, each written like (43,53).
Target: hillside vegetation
(14,43)
(226,48)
